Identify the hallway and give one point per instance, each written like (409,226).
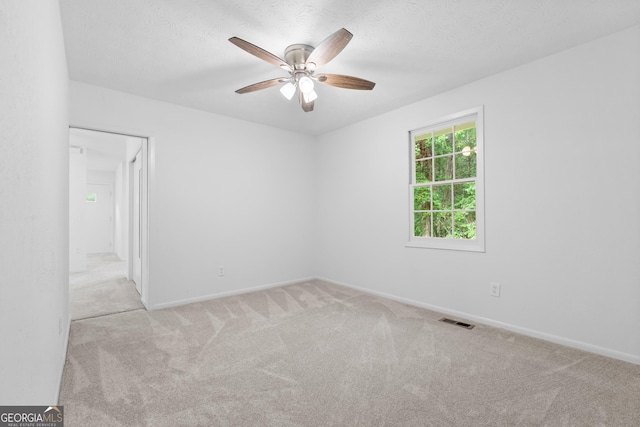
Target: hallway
(102,289)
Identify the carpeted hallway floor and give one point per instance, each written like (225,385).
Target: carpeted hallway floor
(102,289)
(315,354)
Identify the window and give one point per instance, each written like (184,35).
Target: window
(446,192)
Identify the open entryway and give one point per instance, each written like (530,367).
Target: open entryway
(107,222)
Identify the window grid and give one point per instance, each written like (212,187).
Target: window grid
(448,171)
(432,180)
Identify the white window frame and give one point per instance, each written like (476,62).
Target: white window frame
(477,244)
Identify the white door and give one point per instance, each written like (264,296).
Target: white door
(136,217)
(99,218)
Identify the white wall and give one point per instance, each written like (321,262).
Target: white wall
(119,198)
(101,177)
(224,192)
(77,202)
(34,202)
(121,226)
(562,201)
(94,219)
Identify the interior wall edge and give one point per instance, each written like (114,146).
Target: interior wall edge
(65,350)
(209,297)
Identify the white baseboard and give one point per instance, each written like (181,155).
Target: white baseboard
(225,294)
(603,351)
(65,348)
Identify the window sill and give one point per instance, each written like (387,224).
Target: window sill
(447,244)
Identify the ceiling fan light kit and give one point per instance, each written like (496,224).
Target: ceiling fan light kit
(288,90)
(301,62)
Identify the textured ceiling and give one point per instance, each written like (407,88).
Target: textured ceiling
(178,50)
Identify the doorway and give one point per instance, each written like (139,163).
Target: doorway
(107,223)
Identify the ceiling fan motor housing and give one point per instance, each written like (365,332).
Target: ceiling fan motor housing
(296,55)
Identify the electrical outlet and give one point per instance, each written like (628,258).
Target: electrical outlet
(221,271)
(494,289)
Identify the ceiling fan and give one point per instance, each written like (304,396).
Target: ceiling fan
(301,61)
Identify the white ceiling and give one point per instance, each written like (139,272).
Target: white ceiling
(178,50)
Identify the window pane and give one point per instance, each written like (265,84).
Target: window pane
(442,224)
(464,196)
(424,173)
(442,197)
(422,224)
(443,168)
(423,146)
(465,225)
(465,136)
(422,198)
(447,177)
(443,142)
(466,165)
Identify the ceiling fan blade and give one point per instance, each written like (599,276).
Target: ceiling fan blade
(260,53)
(329,47)
(306,106)
(262,85)
(346,82)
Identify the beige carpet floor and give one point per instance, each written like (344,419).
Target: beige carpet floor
(102,289)
(314,354)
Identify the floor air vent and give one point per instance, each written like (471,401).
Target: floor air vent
(455,322)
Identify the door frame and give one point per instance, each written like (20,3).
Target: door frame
(131,268)
(148,175)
